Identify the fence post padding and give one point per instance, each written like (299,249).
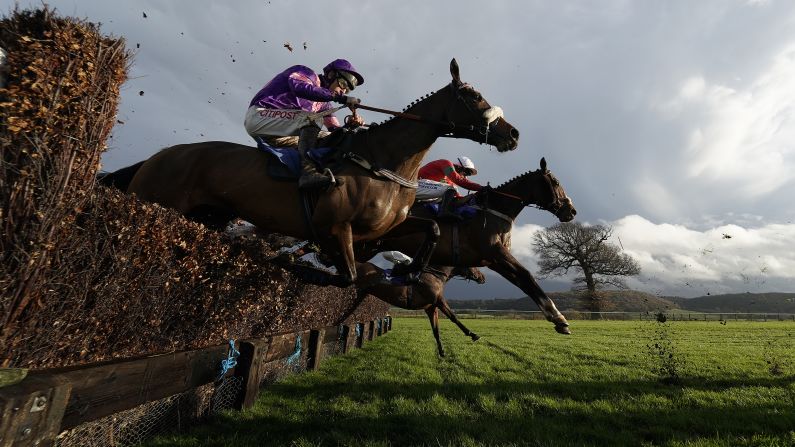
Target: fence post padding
(249,368)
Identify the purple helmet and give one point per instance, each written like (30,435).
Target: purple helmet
(345,68)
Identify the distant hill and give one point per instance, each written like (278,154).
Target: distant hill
(634,301)
(613,300)
(739,302)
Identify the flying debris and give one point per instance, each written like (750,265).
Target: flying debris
(288,46)
(305,45)
(727,236)
(141,93)
(144,15)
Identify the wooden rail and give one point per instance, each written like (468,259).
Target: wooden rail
(34,411)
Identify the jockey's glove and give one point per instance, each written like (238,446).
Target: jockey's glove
(347,100)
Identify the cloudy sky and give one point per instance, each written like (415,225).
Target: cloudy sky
(672,122)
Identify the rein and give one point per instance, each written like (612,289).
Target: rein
(490,115)
(449,126)
(553,208)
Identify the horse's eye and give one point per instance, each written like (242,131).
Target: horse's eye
(478,98)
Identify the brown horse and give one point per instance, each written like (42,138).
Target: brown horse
(485,240)
(376,172)
(427,293)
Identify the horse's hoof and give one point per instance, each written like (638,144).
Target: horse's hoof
(563,329)
(475,337)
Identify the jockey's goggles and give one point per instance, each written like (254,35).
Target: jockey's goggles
(346,80)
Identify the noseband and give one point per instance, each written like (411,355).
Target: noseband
(490,115)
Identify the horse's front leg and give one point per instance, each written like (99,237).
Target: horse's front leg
(413,225)
(507,266)
(345,262)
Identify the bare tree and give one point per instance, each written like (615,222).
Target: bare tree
(573,245)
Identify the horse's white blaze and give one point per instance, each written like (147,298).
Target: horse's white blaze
(492,114)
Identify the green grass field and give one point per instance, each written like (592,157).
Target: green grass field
(610,383)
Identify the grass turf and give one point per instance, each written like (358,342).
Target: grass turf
(611,383)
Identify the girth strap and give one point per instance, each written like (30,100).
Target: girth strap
(505,217)
(380,172)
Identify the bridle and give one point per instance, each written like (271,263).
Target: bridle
(554,206)
(448,127)
(490,115)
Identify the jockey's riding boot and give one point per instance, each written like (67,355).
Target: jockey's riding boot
(446,212)
(310,178)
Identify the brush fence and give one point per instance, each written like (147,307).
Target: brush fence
(125,402)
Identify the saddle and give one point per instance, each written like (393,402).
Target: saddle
(466,209)
(289,166)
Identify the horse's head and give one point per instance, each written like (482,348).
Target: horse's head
(469,273)
(472,117)
(550,195)
(539,188)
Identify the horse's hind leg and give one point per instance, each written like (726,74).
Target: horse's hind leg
(433,315)
(448,312)
(417,225)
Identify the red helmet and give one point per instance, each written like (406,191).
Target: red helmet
(346,70)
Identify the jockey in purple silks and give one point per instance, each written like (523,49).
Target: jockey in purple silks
(288,111)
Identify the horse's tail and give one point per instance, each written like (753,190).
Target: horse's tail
(120,179)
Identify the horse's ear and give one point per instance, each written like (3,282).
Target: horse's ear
(454,72)
(543,164)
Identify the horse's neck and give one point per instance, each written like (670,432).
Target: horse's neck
(522,187)
(400,144)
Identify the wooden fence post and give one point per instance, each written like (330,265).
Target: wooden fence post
(346,339)
(315,346)
(31,411)
(249,368)
(360,335)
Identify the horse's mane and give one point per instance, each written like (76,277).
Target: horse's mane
(519,178)
(374,126)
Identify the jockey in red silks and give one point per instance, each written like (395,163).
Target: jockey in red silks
(286,111)
(438,180)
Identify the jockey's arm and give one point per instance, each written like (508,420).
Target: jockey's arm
(306,90)
(460,180)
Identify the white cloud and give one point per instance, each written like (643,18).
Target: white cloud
(676,260)
(745,137)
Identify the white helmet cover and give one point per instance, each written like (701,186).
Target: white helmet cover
(465,162)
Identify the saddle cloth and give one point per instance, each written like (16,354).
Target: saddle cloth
(289,166)
(466,210)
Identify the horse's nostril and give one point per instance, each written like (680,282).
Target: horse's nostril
(573,212)
(514,134)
